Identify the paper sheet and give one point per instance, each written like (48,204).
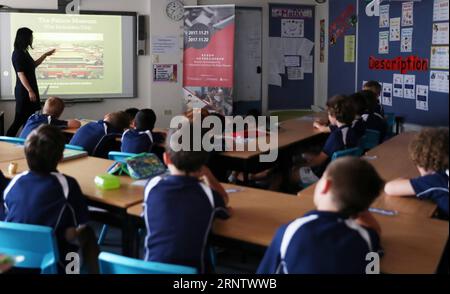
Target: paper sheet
(384,16)
(295,73)
(292,28)
(276,62)
(398,85)
(409,91)
(422,98)
(291,46)
(440,33)
(383,44)
(407,40)
(306,47)
(439,81)
(407,14)
(387,94)
(440,11)
(349,48)
(394,29)
(291,61)
(275,79)
(439,57)
(307,64)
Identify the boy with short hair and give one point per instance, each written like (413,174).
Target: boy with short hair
(341,115)
(376,88)
(429,152)
(140,138)
(89,135)
(53,109)
(335,238)
(43,196)
(372,119)
(179,209)
(131,112)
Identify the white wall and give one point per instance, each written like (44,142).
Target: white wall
(159,96)
(321,69)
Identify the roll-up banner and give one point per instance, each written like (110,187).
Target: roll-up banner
(208,74)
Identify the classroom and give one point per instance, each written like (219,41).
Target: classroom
(226,137)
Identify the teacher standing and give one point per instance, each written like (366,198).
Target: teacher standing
(26,91)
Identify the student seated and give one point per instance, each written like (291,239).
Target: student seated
(43,196)
(373,120)
(89,135)
(429,152)
(3,183)
(140,138)
(359,104)
(53,109)
(179,209)
(338,235)
(341,115)
(375,88)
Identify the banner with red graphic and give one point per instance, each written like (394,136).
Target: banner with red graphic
(208,63)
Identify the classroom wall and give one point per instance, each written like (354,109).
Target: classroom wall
(162,97)
(321,69)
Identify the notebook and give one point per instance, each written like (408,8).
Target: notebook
(73,154)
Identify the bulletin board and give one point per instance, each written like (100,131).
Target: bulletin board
(414,110)
(291,56)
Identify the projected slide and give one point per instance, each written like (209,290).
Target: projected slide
(89,58)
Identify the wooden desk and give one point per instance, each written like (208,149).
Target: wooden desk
(84,170)
(11,152)
(392,161)
(411,244)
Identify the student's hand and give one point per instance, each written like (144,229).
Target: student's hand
(33,96)
(73,124)
(230,211)
(50,53)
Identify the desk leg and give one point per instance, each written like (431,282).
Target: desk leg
(129,238)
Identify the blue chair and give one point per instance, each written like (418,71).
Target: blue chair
(119,156)
(370,140)
(37,244)
(12,140)
(74,147)
(356,152)
(116,264)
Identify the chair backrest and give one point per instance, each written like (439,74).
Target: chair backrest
(116,264)
(356,152)
(12,140)
(370,139)
(74,147)
(108,143)
(119,156)
(37,244)
(390,119)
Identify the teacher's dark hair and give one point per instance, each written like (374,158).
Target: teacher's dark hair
(24,39)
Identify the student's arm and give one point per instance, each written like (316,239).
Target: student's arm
(321,127)
(73,124)
(41,59)
(24,80)
(399,187)
(211,181)
(367,220)
(319,159)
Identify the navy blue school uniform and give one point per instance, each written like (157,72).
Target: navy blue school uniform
(134,141)
(320,243)
(37,120)
(3,183)
(379,109)
(374,121)
(359,127)
(54,200)
(89,135)
(433,187)
(178,213)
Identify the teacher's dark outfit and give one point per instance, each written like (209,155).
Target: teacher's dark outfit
(23,62)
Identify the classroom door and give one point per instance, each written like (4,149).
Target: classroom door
(248,60)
